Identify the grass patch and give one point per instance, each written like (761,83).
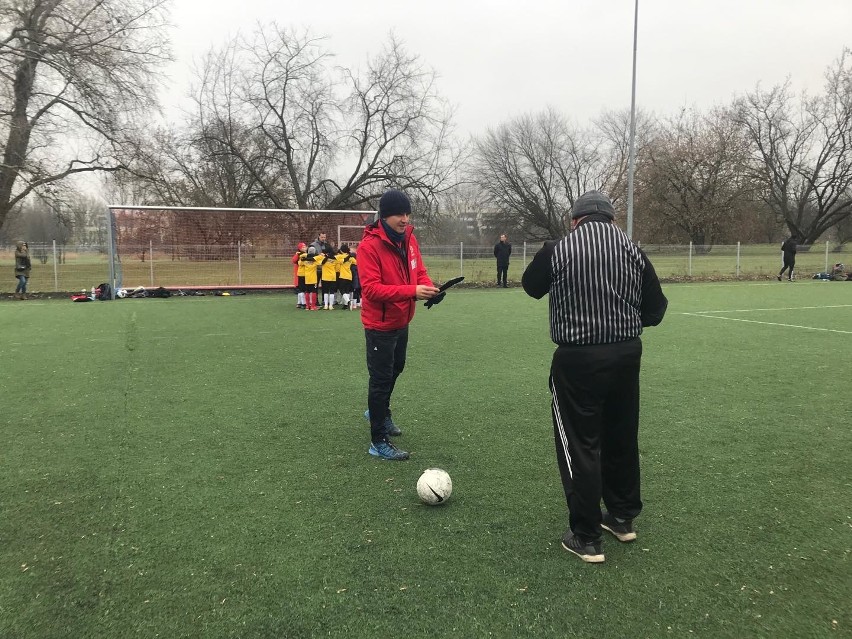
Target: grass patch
(198,467)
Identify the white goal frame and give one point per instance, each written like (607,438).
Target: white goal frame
(242,272)
(340,227)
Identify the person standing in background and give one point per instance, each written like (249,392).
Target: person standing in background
(299,275)
(23,265)
(789,248)
(502,251)
(329,270)
(344,278)
(320,246)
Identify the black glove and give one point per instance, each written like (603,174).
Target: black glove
(436,300)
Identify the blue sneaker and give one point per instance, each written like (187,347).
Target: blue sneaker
(390,428)
(386,450)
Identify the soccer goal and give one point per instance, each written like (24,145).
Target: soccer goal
(350,234)
(214,248)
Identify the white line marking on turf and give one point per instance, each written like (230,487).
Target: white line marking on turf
(787,308)
(711,285)
(737,319)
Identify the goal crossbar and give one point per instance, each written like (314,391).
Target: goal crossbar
(148,207)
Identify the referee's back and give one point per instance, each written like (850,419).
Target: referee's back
(603,288)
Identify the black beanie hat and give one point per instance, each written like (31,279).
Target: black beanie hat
(593,202)
(394,202)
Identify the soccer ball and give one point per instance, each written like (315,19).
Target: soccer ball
(434,486)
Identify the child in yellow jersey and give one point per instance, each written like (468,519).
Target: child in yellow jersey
(300,276)
(329,280)
(310,261)
(344,279)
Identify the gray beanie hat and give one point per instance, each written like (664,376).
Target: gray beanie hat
(592,202)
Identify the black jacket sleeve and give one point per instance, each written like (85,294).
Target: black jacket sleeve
(654,303)
(538,274)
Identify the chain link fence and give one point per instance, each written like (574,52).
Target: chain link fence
(60,269)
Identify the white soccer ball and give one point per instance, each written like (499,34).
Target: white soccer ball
(434,486)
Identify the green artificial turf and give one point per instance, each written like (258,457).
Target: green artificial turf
(197,467)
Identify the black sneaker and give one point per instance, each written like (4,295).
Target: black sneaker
(622,530)
(778,277)
(591,553)
(390,428)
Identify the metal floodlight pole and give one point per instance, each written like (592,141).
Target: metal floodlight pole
(631,161)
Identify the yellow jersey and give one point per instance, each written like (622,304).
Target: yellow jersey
(310,263)
(329,269)
(346,264)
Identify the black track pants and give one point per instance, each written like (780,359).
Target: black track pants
(596,427)
(386,352)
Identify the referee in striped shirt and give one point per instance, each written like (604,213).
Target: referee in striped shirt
(603,290)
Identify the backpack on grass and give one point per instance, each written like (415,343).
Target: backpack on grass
(104,292)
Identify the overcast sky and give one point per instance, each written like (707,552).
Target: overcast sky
(498,59)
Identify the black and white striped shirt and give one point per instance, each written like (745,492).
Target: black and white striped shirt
(603,288)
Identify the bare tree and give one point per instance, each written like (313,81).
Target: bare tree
(613,128)
(692,175)
(189,167)
(802,152)
(460,215)
(533,168)
(276,125)
(40,222)
(844,231)
(399,130)
(81,70)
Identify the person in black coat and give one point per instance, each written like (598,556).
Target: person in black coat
(789,248)
(23,265)
(502,251)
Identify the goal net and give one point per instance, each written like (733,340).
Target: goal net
(350,234)
(209,248)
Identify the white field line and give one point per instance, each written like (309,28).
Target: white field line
(737,319)
(709,285)
(786,308)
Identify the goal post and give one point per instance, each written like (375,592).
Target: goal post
(213,248)
(350,234)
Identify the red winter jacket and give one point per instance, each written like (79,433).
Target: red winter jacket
(388,284)
(295,261)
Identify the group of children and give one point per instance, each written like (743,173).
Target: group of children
(326,273)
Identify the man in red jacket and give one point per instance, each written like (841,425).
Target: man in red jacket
(393,277)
